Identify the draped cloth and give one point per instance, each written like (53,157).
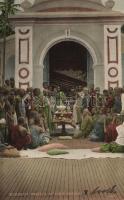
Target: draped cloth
(38,104)
(77,108)
(47,113)
(38,137)
(118,145)
(111,133)
(18,140)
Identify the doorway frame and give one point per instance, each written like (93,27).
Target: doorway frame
(63,38)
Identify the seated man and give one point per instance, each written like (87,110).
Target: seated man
(115,147)
(20,138)
(37,134)
(110,129)
(86,124)
(97,133)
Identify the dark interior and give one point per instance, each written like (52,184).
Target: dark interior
(63,57)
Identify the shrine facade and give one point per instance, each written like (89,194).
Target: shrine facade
(67,41)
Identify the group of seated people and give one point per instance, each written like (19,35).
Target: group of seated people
(26,117)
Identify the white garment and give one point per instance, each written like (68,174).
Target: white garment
(15,119)
(75,113)
(120,137)
(2,121)
(78,104)
(122,102)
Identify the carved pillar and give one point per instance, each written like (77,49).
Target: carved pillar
(112,56)
(23,65)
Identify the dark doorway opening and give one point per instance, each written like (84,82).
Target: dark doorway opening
(68,64)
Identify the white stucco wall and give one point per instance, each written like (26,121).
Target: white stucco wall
(90,36)
(46,35)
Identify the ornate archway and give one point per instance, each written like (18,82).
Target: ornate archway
(68,64)
(91,56)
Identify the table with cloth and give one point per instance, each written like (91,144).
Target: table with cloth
(63,118)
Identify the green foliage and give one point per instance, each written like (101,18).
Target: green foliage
(53,152)
(7,8)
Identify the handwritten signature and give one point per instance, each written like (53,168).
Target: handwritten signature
(98,190)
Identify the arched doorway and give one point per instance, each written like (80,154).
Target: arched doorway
(68,64)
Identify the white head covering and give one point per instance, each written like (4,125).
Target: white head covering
(120,137)
(2,121)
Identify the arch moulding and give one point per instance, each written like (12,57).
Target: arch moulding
(70,38)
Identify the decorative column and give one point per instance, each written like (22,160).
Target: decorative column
(23,65)
(112,56)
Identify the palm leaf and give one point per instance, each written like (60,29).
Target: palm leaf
(8,7)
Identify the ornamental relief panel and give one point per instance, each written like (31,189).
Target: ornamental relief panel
(112,56)
(24,57)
